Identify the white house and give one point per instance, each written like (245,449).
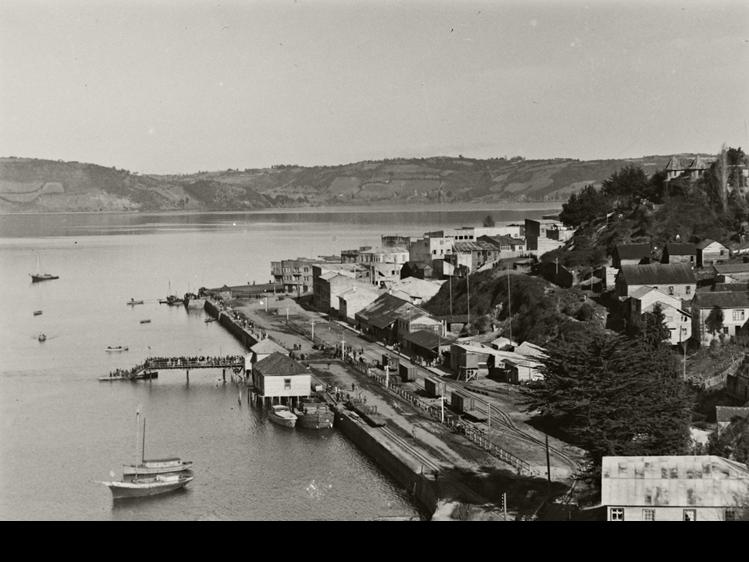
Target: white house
(674,488)
(279,376)
(732,305)
(678,320)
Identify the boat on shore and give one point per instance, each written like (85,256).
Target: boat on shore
(314,414)
(130,376)
(282,415)
(116,348)
(150,478)
(133,302)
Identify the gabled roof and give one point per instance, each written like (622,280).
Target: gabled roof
(676,481)
(658,274)
(267,346)
(724,299)
(706,242)
(724,414)
(632,251)
(428,339)
(531,350)
(724,268)
(278,365)
(681,249)
(674,164)
(383,311)
(474,246)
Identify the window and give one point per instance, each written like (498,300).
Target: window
(616,514)
(725,330)
(689,290)
(287,384)
(690,515)
(730,515)
(670,290)
(738,315)
(648,515)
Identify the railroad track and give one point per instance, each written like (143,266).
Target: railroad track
(410,449)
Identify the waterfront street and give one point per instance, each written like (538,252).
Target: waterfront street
(290,325)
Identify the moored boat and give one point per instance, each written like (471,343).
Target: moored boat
(193,301)
(152,467)
(133,302)
(37,313)
(116,348)
(130,376)
(314,415)
(42,337)
(146,321)
(148,486)
(281,415)
(152,477)
(36,277)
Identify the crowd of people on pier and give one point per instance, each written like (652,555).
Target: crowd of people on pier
(203,361)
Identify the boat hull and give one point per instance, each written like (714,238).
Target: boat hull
(282,421)
(316,421)
(39,278)
(126,490)
(141,377)
(195,304)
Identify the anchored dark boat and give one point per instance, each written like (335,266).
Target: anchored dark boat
(313,414)
(130,376)
(116,348)
(38,276)
(133,302)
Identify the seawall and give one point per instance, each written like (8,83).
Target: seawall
(398,465)
(245,337)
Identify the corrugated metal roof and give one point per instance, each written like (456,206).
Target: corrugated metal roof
(725,300)
(676,481)
(383,311)
(279,365)
(727,413)
(658,274)
(724,268)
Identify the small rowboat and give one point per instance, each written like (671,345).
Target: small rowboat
(116,348)
(146,321)
(37,312)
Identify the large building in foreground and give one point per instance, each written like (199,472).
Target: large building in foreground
(674,488)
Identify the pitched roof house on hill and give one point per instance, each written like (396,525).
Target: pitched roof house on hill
(630,254)
(677,252)
(676,280)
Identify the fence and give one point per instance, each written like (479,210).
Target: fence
(452,421)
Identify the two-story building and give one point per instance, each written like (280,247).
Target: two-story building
(732,306)
(296,276)
(677,319)
(431,247)
(674,488)
(676,280)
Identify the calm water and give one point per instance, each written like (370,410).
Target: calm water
(61,430)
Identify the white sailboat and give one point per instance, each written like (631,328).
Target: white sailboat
(149,477)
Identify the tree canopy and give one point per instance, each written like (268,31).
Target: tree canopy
(614,395)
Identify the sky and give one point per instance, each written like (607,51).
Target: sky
(181,86)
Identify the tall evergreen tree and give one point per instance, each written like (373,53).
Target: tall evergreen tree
(614,395)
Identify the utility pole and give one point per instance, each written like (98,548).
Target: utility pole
(387,376)
(548,461)
(509,305)
(468,298)
(442,403)
(313,331)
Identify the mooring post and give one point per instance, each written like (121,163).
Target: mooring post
(223,374)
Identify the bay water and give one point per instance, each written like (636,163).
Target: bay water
(62,432)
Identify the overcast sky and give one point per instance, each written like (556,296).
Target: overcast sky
(178,86)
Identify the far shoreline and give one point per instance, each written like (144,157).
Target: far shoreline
(518,206)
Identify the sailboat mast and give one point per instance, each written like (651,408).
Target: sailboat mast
(143,449)
(137,428)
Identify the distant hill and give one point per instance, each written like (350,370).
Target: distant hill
(34,185)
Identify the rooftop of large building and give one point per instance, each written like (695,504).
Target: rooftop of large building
(658,274)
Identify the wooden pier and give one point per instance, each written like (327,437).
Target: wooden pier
(234,362)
